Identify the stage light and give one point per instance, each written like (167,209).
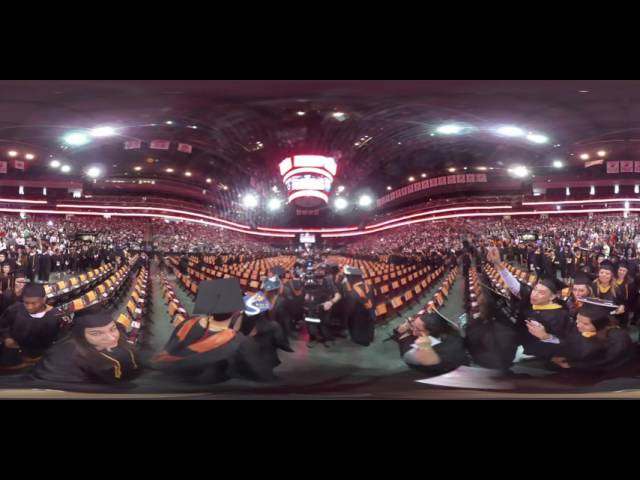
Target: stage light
(65,169)
(29,156)
(187,174)
(636,189)
(250,200)
(558,207)
(510,131)
(169,170)
(300,113)
(423,175)
(601,153)
(341,188)
(54,164)
(584,156)
(365,201)
(616,189)
(94,172)
(452,170)
(341,203)
(169,122)
(557,164)
(450,129)
(537,138)
(274,204)
(519,171)
(592,190)
(483,169)
(412,179)
(567,191)
(76,139)
(209,180)
(340,116)
(105,131)
(389,187)
(137,169)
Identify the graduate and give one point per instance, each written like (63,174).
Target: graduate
(359,307)
(96,352)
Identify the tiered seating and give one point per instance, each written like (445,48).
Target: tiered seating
(137,307)
(474,295)
(176,311)
(440,296)
(106,292)
(62,290)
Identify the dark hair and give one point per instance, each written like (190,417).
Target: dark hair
(87,351)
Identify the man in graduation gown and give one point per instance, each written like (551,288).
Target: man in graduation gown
(359,307)
(44,265)
(540,317)
(29,327)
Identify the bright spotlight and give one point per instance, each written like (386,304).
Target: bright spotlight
(537,138)
(584,156)
(169,170)
(250,200)
(601,153)
(482,169)
(340,116)
(389,187)
(65,169)
(187,174)
(138,168)
(557,164)
(341,204)
(341,188)
(209,180)
(412,179)
(592,190)
(12,153)
(29,156)
(519,171)
(301,113)
(567,191)
(102,131)
(510,131)
(636,189)
(616,189)
(451,170)
(76,139)
(94,172)
(450,129)
(274,204)
(275,189)
(54,164)
(423,175)
(50,223)
(365,201)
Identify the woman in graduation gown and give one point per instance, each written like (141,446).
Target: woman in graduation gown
(594,344)
(96,352)
(605,287)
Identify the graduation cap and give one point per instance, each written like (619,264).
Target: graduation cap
(625,264)
(219,296)
(582,278)
(34,290)
(271,283)
(607,265)
(278,271)
(91,317)
(552,284)
(352,271)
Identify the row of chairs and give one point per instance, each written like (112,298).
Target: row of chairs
(251,270)
(66,288)
(177,313)
(378,271)
(137,307)
(106,293)
(474,295)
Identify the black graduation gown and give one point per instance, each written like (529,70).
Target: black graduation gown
(32,266)
(450,350)
(597,354)
(33,335)
(360,313)
(44,267)
(63,364)
(614,294)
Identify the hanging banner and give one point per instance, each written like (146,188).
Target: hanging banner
(613,167)
(132,144)
(160,144)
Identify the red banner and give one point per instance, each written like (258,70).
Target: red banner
(184,147)
(160,144)
(471,177)
(637,166)
(132,144)
(594,162)
(452,179)
(626,166)
(3,167)
(462,178)
(18,164)
(481,177)
(613,167)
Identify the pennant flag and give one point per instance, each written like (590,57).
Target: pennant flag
(160,144)
(3,167)
(132,144)
(184,147)
(626,166)
(613,167)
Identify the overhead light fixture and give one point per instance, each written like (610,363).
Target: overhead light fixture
(452,170)
(584,156)
(482,168)
(300,113)
(365,201)
(54,163)
(450,129)
(341,188)
(94,172)
(537,138)
(510,131)
(29,156)
(209,180)
(105,131)
(274,204)
(275,189)
(519,171)
(601,153)
(412,179)
(169,122)
(65,169)
(616,189)
(76,139)
(423,175)
(592,190)
(187,174)
(169,170)
(636,189)
(583,91)
(194,127)
(250,200)
(558,164)
(339,116)
(341,203)
(567,191)
(389,187)
(12,153)
(138,168)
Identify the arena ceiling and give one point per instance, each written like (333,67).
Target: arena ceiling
(380,131)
